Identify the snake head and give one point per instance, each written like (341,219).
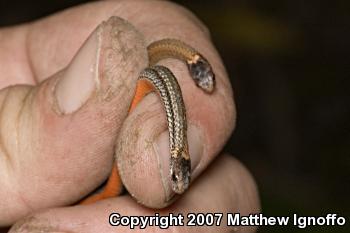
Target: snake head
(180,171)
(202,73)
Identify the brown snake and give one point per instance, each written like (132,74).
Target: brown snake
(170,92)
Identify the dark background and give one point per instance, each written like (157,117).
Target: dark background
(289,64)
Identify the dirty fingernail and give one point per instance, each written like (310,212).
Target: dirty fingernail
(78,81)
(195,144)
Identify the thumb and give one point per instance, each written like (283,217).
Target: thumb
(55,135)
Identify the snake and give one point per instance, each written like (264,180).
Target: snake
(163,81)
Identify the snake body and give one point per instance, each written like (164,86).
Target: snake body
(164,81)
(198,66)
(170,92)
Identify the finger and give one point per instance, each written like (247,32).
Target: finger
(226,187)
(55,135)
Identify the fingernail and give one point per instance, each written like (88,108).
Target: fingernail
(79,79)
(108,62)
(195,144)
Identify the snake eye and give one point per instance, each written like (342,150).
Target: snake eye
(174,177)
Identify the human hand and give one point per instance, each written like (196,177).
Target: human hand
(58,133)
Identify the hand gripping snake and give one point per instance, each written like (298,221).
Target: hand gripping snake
(162,80)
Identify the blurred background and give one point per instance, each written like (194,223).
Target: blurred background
(289,64)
